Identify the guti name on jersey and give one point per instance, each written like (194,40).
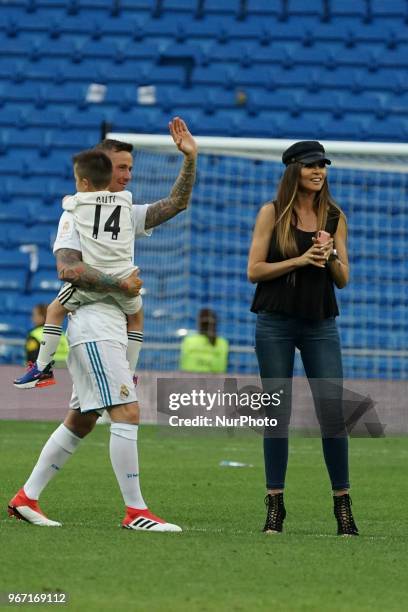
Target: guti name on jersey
(106,199)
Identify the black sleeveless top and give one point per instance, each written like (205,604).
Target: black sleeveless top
(307,292)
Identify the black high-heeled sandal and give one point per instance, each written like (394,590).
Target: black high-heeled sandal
(276,513)
(344,516)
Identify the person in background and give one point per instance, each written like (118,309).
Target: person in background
(205,351)
(34,337)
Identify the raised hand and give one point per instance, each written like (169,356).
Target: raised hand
(182,137)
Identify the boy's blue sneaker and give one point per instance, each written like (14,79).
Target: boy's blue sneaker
(35,377)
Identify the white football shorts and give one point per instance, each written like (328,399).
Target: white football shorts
(101,376)
(71,298)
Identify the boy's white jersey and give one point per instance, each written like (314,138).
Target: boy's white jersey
(104,222)
(101,320)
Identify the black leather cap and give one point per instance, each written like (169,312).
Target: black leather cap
(306,152)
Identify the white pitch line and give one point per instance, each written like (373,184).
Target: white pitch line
(291,535)
(239,532)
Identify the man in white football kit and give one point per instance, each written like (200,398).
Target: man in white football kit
(97,362)
(108,386)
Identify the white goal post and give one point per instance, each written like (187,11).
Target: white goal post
(365,154)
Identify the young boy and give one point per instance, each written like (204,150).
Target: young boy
(104,223)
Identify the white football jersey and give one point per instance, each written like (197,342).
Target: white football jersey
(104,223)
(102,320)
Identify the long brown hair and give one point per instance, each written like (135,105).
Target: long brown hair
(285,209)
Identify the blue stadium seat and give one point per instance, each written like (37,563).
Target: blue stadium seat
(28,166)
(394,58)
(340,8)
(16,47)
(213,75)
(12,279)
(19,235)
(259,7)
(46,281)
(18,212)
(176,27)
(14,117)
(248,53)
(152,121)
(20,92)
(49,217)
(389,129)
(19,304)
(228,7)
(13,326)
(143,50)
(396,8)
(89,119)
(13,259)
(47,260)
(343,128)
(280,100)
(296,77)
(137,5)
(12,70)
(48,4)
(364,102)
(49,119)
(62,94)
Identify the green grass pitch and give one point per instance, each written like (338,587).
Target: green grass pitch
(221,561)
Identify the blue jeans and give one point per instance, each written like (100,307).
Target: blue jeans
(277,335)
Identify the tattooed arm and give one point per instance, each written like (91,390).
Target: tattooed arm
(177,200)
(73,270)
(179,197)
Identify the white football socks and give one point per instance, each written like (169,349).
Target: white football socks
(56,452)
(49,344)
(125,463)
(135,341)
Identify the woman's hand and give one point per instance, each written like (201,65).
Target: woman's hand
(317,255)
(327,247)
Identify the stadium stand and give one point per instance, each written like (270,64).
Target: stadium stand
(262,68)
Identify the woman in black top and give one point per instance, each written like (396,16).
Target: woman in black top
(296,307)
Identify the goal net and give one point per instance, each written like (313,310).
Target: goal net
(199,258)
